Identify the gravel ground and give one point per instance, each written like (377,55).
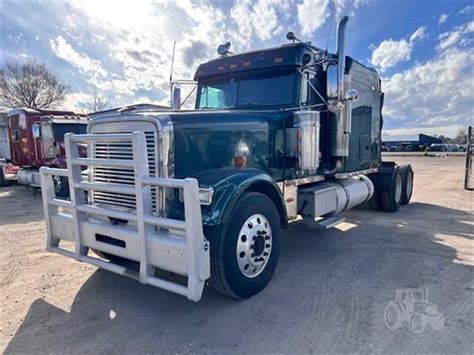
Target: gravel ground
(328,294)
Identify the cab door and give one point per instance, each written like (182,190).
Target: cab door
(47,141)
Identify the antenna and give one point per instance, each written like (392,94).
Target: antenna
(172,62)
(171,72)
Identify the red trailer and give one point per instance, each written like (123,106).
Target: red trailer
(37,139)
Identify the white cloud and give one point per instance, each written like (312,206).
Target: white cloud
(312,14)
(466,10)
(132,44)
(419,34)
(90,67)
(256,19)
(436,93)
(391,52)
(75,102)
(443,18)
(456,36)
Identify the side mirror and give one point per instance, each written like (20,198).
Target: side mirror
(176,98)
(36,130)
(352,95)
(331,88)
(334,104)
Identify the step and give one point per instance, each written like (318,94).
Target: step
(324,223)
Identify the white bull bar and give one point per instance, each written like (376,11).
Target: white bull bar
(154,242)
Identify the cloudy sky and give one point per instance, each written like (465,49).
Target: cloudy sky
(422,49)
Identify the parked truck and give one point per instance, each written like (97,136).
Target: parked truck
(36,140)
(276,134)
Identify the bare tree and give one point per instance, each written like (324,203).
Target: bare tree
(30,85)
(97,102)
(461,138)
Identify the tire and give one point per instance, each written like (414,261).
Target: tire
(391,194)
(61,186)
(3,182)
(253,233)
(407,183)
(393,316)
(417,323)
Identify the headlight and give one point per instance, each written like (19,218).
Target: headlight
(205,195)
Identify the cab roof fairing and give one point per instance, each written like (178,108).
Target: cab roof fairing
(26,110)
(279,57)
(65,119)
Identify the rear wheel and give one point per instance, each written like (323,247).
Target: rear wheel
(391,196)
(393,316)
(244,253)
(407,186)
(388,191)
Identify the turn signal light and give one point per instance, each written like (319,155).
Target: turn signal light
(240,161)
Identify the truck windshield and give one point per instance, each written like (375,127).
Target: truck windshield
(61,129)
(243,92)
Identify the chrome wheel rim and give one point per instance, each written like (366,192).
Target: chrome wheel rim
(398,187)
(254,245)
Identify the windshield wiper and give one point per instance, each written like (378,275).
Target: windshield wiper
(248,104)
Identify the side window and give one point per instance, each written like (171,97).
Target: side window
(307,92)
(15,135)
(211,97)
(47,131)
(36,130)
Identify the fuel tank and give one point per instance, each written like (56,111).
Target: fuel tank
(335,196)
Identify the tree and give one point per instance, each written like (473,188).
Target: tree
(461,138)
(30,85)
(96,103)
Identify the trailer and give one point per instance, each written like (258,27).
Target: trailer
(204,194)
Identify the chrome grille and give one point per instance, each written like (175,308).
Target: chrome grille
(122,175)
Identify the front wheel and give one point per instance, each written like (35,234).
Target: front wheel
(245,251)
(61,186)
(417,323)
(3,181)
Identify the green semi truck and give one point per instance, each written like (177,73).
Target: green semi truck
(174,198)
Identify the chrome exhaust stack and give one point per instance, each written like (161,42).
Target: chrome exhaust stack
(341,56)
(341,127)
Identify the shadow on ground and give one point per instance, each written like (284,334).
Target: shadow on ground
(328,295)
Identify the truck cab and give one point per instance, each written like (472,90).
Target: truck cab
(37,139)
(276,134)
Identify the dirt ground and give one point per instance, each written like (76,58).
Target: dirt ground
(328,294)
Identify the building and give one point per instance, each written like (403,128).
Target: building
(409,143)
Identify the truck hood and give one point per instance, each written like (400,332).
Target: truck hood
(209,140)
